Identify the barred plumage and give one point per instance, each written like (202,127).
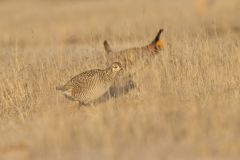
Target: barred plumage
(89,85)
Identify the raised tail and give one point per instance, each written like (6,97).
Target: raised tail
(107,46)
(158,36)
(157,44)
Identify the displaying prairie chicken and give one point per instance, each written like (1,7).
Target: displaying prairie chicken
(132,59)
(90,85)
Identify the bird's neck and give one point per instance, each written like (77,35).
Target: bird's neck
(110,74)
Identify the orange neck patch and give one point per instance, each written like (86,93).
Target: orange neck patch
(160,44)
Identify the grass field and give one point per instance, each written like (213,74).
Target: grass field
(189,103)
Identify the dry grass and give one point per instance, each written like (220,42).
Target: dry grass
(187,109)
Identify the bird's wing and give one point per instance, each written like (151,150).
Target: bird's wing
(82,80)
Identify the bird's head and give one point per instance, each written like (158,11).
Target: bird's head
(116,67)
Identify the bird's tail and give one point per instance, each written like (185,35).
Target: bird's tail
(157,42)
(107,46)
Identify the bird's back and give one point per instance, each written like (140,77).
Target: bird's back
(87,86)
(128,58)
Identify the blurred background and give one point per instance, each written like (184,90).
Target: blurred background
(188,107)
(45,22)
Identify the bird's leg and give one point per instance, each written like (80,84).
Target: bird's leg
(130,85)
(121,89)
(113,91)
(133,85)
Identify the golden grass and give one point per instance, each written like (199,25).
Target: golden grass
(187,109)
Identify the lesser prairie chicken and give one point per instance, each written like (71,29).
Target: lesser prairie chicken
(90,85)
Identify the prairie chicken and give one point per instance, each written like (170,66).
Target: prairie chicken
(131,56)
(90,85)
(132,59)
